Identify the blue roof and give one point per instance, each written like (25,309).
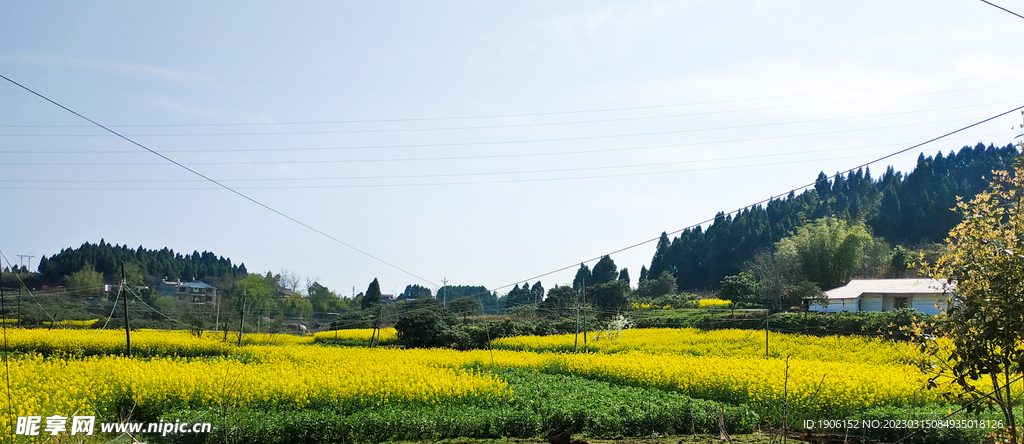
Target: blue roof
(197,284)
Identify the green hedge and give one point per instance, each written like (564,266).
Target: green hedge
(540,404)
(885,323)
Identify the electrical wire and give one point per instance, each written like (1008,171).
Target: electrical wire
(190,326)
(322,161)
(113,307)
(422,184)
(769,199)
(553,113)
(562,139)
(244,196)
(18,275)
(523,125)
(7,359)
(1004,9)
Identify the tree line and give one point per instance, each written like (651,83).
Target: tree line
(152,265)
(908,210)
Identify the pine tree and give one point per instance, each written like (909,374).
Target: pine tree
(583,277)
(604,271)
(624,276)
(372,297)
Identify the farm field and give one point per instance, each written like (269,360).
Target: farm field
(635,383)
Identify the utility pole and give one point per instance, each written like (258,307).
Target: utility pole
(23,256)
(766,333)
(3,313)
(584,289)
(127,330)
(576,342)
(444,283)
(241,318)
(216,304)
(376,327)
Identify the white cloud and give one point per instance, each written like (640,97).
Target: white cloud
(119,68)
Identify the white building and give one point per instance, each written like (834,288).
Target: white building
(922,294)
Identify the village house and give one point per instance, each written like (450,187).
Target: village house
(195,292)
(922,294)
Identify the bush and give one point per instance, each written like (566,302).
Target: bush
(424,323)
(539,402)
(887,323)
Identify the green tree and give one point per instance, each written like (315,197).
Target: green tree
(295,306)
(84,282)
(465,307)
(133,275)
(415,291)
(604,271)
(899,262)
(582,275)
(609,298)
(518,296)
(664,285)
(984,269)
(624,276)
(255,292)
(371,300)
(559,301)
(425,323)
(739,287)
(829,250)
(323,300)
(537,292)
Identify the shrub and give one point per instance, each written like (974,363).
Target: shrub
(424,322)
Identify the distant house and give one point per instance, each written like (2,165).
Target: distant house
(195,292)
(924,295)
(388,298)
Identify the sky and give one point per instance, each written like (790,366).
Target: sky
(473,143)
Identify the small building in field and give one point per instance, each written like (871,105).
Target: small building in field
(922,294)
(195,292)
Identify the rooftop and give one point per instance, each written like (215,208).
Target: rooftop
(858,287)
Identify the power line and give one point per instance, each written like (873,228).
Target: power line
(569,112)
(33,296)
(291,133)
(421,184)
(493,173)
(769,199)
(320,161)
(1004,9)
(244,196)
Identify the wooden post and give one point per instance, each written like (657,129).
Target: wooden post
(576,342)
(241,319)
(376,327)
(584,312)
(127,330)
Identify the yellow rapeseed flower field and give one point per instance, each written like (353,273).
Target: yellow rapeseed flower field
(362,334)
(289,377)
(68,371)
(69,342)
(723,343)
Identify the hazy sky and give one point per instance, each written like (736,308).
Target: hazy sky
(482,142)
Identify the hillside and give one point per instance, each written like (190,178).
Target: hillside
(908,210)
(153,264)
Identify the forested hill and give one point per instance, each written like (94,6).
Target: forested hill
(154,264)
(906,210)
